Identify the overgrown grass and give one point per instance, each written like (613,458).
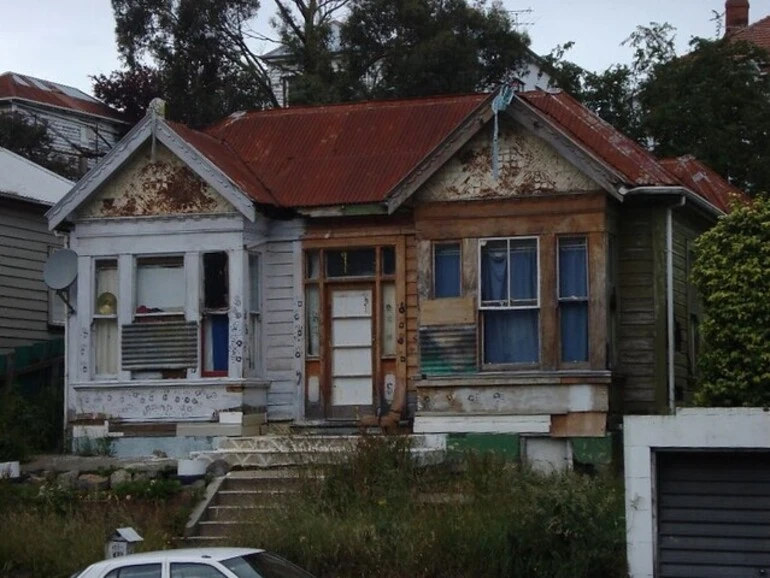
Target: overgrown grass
(372,517)
(52,532)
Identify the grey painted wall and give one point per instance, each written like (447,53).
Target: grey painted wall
(24,298)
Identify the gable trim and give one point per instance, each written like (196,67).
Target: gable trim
(440,155)
(582,159)
(125,149)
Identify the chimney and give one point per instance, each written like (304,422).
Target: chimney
(736,15)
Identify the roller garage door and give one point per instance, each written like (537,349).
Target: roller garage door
(713,514)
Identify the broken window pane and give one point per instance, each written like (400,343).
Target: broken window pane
(215,280)
(388,257)
(354,263)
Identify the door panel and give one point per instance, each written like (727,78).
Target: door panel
(351,347)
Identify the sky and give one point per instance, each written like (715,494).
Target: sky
(67,41)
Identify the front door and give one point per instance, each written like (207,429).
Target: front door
(351,354)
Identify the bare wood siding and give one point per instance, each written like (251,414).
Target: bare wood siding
(637,307)
(686,230)
(24,242)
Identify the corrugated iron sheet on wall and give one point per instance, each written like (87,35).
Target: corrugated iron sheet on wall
(446,349)
(160,345)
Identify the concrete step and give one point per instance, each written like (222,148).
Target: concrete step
(200,541)
(239,513)
(221,528)
(251,497)
(267,479)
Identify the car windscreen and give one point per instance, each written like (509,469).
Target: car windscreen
(263,565)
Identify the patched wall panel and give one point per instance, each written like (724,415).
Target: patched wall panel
(165,186)
(527,166)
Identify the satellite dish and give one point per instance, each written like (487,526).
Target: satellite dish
(61,269)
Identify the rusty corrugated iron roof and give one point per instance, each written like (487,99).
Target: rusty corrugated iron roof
(226,160)
(342,154)
(637,165)
(45,92)
(702,180)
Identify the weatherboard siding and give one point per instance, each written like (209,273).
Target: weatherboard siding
(24,246)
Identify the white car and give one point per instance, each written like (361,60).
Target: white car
(196,563)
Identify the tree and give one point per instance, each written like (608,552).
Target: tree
(732,272)
(31,140)
(194,52)
(713,103)
(409,48)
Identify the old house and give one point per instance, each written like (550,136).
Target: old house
(82,129)
(29,312)
(500,263)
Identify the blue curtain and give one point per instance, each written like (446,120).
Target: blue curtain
(573,283)
(494,272)
(524,270)
(511,336)
(446,271)
(220,330)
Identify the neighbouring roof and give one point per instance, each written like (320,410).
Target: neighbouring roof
(15,86)
(757,33)
(341,154)
(701,179)
(23,179)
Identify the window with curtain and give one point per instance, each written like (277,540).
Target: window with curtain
(573,299)
(510,300)
(105,317)
(446,270)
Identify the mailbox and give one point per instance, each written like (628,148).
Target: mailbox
(122,542)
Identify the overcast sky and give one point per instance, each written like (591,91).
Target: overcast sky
(68,40)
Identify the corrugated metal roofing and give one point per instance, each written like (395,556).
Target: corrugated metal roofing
(342,154)
(699,178)
(637,165)
(227,160)
(13,85)
(26,180)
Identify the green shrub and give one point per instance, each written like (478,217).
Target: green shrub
(486,517)
(732,272)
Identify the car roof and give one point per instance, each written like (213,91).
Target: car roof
(179,554)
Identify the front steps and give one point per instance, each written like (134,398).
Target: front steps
(267,471)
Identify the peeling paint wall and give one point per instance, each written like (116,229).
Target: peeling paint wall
(528,166)
(165,186)
(145,402)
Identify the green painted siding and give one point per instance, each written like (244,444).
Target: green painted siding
(508,445)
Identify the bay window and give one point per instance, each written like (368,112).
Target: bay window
(510,300)
(160,286)
(573,298)
(447,270)
(216,319)
(105,317)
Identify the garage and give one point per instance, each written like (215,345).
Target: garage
(713,513)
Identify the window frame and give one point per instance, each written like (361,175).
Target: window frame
(206,313)
(560,300)
(256,353)
(433,247)
(482,308)
(95,317)
(136,317)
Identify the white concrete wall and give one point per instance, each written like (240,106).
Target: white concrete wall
(689,429)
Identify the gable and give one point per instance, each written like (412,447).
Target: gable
(145,187)
(528,165)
